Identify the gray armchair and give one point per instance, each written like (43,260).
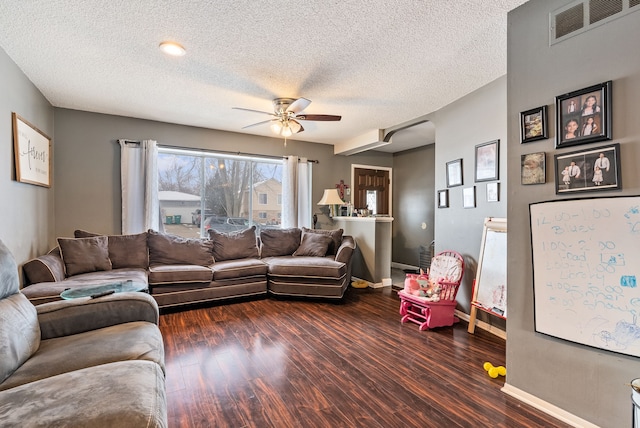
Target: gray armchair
(85,362)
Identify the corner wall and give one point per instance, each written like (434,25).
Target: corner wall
(27,210)
(477,118)
(586,382)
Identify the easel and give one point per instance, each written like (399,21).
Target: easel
(491,277)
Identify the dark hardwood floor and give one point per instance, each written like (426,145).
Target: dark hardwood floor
(298,363)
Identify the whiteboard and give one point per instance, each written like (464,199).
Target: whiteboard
(586,258)
(491,276)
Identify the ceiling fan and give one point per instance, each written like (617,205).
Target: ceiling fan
(287,114)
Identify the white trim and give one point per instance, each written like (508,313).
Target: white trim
(546,407)
(483,325)
(374,167)
(402,266)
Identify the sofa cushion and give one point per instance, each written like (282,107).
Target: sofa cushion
(234,245)
(123,394)
(81,255)
(279,242)
(125,251)
(170,249)
(240,268)
(313,244)
(47,268)
(336,236)
(138,340)
(306,267)
(179,273)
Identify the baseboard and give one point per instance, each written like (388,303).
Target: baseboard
(546,407)
(402,266)
(386,282)
(483,325)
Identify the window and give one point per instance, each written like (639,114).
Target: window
(279,198)
(199,191)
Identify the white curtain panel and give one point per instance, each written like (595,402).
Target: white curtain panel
(139,176)
(296,193)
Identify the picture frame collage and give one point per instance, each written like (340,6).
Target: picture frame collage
(486,169)
(582,116)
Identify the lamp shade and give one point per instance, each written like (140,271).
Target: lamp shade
(330,197)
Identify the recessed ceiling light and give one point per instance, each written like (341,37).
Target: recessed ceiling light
(172,48)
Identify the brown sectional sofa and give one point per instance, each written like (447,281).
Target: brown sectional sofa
(180,271)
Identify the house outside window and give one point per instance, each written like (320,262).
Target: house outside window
(262,198)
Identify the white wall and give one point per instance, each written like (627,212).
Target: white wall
(586,382)
(26,216)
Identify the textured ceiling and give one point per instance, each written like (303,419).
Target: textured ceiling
(378,63)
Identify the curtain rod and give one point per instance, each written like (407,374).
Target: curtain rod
(164,146)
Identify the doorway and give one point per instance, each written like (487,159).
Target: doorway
(371,188)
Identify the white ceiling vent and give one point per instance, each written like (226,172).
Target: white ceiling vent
(582,15)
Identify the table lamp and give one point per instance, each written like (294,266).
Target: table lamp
(331,198)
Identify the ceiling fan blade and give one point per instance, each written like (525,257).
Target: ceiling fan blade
(259,123)
(298,105)
(319,117)
(255,111)
(295,126)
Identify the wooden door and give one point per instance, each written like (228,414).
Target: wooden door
(371,179)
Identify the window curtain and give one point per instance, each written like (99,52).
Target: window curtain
(296,193)
(139,176)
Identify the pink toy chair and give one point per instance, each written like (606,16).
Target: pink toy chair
(433,306)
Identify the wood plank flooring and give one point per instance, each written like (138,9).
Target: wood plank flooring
(299,363)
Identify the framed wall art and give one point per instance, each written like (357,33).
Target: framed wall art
(533,168)
(32,149)
(533,125)
(454,173)
(588,170)
(487,155)
(584,116)
(469,197)
(443,198)
(493,194)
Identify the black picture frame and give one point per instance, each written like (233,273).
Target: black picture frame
(443,198)
(586,162)
(584,116)
(487,161)
(533,168)
(469,197)
(454,173)
(533,125)
(493,192)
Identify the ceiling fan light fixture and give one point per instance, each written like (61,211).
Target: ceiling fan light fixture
(172,48)
(276,127)
(286,131)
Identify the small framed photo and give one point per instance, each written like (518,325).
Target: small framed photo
(493,195)
(584,116)
(487,155)
(532,168)
(533,125)
(454,173)
(588,170)
(443,198)
(32,149)
(469,197)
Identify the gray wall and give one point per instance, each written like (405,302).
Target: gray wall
(87,169)
(26,216)
(477,118)
(413,203)
(586,382)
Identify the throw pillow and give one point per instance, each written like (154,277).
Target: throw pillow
(279,242)
(165,249)
(125,251)
(313,244)
(84,255)
(234,245)
(336,237)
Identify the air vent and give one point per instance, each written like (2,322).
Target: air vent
(583,15)
(569,20)
(601,9)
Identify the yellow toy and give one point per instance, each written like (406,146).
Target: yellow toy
(495,371)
